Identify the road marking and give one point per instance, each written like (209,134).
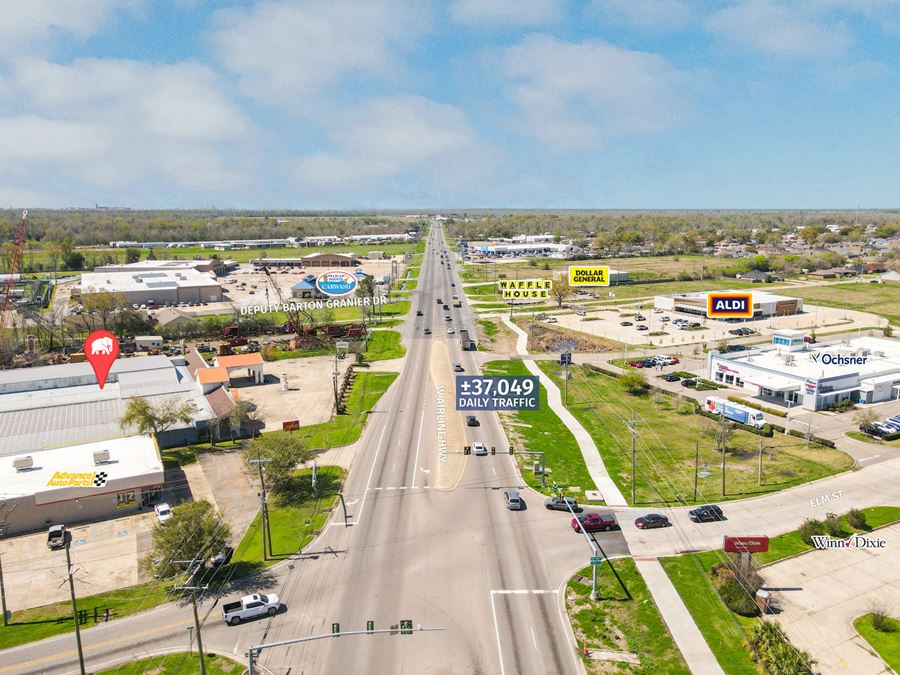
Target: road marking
(519,591)
(533,639)
(424,470)
(497,634)
(866,459)
(419,441)
(362,506)
(494,470)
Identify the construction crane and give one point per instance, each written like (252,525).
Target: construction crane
(293,314)
(9,283)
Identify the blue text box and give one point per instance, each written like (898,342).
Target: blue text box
(497,392)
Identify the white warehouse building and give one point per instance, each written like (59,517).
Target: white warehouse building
(156,287)
(790,372)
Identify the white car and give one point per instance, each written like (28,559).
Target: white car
(479,448)
(580,313)
(450,331)
(551,319)
(163,511)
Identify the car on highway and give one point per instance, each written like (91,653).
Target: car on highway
(56,537)
(479,448)
(513,500)
(450,331)
(472,421)
(446,307)
(419,312)
(594,522)
(439,301)
(561,503)
(447,317)
(457,367)
(427,331)
(453,284)
(163,511)
(626,323)
(671,377)
(250,607)
(707,513)
(651,520)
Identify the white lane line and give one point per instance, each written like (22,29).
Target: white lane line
(362,506)
(533,639)
(866,459)
(497,634)
(419,442)
(494,470)
(525,591)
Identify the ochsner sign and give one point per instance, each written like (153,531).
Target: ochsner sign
(336,283)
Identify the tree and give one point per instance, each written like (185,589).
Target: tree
(246,414)
(100,308)
(285,450)
(865,417)
(75,260)
(561,290)
(196,531)
(634,381)
(132,255)
(155,419)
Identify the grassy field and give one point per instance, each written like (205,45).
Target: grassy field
(534,430)
(880,299)
(790,543)
(667,442)
(886,643)
(384,344)
(43,622)
(722,629)
(177,664)
(296,514)
(624,619)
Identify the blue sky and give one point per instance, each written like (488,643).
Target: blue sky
(463,103)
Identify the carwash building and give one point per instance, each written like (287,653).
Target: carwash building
(788,372)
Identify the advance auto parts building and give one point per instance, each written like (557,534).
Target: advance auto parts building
(789,372)
(79,483)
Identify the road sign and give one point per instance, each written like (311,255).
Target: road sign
(596,560)
(746,544)
(565,359)
(406,627)
(342,345)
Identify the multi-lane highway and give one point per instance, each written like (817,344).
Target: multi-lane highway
(430,540)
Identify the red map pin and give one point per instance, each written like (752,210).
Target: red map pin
(101,348)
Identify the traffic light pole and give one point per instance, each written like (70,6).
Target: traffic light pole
(591,543)
(543,464)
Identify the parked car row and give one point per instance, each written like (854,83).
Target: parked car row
(743,330)
(654,361)
(887,427)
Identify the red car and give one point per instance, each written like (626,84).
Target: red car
(635,364)
(673,360)
(594,522)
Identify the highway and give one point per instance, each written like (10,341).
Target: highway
(430,540)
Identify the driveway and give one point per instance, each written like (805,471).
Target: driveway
(235,493)
(821,593)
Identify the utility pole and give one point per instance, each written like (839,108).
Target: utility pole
(759,468)
(696,469)
(337,403)
(264,512)
(74,608)
(3,594)
(633,430)
(193,590)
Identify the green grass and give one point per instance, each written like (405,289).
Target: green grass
(859,436)
(295,516)
(667,443)
(542,430)
(48,620)
(282,354)
(790,543)
(623,619)
(880,299)
(886,643)
(489,327)
(721,628)
(384,344)
(177,664)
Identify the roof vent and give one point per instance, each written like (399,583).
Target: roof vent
(101,457)
(23,463)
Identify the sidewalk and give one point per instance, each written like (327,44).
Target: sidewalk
(687,636)
(611,494)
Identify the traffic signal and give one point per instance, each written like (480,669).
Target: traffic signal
(370,626)
(336,628)
(493,450)
(467,450)
(406,627)
(510,451)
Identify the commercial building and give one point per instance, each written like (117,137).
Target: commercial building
(79,483)
(212,265)
(790,372)
(547,249)
(153,288)
(764,304)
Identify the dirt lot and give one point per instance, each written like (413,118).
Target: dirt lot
(310,398)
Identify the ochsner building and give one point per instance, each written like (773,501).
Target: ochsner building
(789,372)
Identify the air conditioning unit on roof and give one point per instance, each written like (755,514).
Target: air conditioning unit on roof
(23,463)
(101,456)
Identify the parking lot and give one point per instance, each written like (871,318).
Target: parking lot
(662,332)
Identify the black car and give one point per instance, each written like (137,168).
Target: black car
(439,301)
(418,312)
(472,421)
(626,323)
(651,520)
(671,377)
(446,306)
(222,557)
(689,383)
(427,331)
(706,514)
(647,363)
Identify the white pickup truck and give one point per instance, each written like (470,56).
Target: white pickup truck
(250,606)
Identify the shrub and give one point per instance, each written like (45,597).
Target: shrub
(777,427)
(736,598)
(857,519)
(775,653)
(754,404)
(881,617)
(833,525)
(634,382)
(809,528)
(794,432)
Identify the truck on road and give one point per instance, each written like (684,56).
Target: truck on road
(735,412)
(249,607)
(456,301)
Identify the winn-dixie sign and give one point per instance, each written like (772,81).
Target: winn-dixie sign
(336,283)
(745,544)
(524,289)
(588,276)
(729,305)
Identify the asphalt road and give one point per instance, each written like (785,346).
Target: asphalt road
(443,556)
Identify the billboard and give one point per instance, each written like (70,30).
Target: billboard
(524,289)
(729,305)
(745,544)
(588,276)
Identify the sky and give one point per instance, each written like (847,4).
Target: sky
(363,104)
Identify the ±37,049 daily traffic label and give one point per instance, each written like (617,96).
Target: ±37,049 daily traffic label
(497,392)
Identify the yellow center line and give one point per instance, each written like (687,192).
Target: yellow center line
(89,648)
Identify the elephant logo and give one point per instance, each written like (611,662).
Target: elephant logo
(103,345)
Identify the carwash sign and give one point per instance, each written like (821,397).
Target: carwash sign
(729,305)
(336,283)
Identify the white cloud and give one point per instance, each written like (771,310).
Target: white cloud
(510,13)
(846,76)
(28,24)
(579,95)
(642,14)
(781,29)
(405,137)
(283,51)
(117,123)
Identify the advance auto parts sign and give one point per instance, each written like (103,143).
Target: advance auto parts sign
(336,283)
(86,479)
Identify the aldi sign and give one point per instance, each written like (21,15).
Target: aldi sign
(745,544)
(729,305)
